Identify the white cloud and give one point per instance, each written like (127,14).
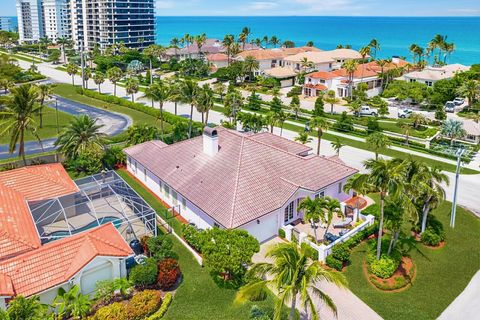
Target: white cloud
(262,5)
(165,4)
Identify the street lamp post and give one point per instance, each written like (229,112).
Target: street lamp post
(460,151)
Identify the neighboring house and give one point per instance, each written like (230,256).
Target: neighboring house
(338,80)
(211,46)
(432,74)
(322,60)
(272,58)
(234,180)
(473,131)
(55,232)
(217,61)
(285,76)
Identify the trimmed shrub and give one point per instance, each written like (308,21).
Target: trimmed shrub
(114,311)
(168,273)
(143,304)
(256,313)
(356,239)
(341,252)
(144,274)
(383,268)
(193,236)
(160,247)
(431,238)
(167,299)
(281,233)
(334,263)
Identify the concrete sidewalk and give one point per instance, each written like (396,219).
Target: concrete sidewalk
(466,305)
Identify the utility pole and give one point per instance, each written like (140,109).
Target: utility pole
(460,151)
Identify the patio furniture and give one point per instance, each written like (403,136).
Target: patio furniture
(331,237)
(343,232)
(343,224)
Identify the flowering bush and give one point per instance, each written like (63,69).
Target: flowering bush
(143,304)
(168,273)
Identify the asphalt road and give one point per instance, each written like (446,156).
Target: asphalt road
(112,124)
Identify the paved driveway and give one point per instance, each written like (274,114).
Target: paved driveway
(349,306)
(112,124)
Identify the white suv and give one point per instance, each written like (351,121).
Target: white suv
(367,111)
(404,113)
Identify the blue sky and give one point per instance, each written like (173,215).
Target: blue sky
(307,7)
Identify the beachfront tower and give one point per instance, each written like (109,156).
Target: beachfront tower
(56,16)
(30,20)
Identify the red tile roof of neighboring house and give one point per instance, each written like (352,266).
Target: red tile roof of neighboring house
(57,262)
(322,75)
(217,57)
(17,229)
(250,176)
(6,286)
(362,71)
(320,87)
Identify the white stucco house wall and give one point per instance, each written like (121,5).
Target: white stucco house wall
(233,180)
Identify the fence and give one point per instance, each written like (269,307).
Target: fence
(41,159)
(326,250)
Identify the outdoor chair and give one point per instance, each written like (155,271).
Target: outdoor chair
(343,224)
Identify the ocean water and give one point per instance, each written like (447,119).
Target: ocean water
(395,34)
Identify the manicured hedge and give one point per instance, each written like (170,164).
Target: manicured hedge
(167,299)
(334,263)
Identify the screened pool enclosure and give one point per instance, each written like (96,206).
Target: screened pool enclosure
(103,198)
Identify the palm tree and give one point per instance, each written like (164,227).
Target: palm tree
(469,89)
(350,67)
(114,74)
(321,125)
(200,41)
(311,212)
(63,42)
(19,117)
(303,138)
(406,129)
(219,89)
(244,36)
(87,74)
(329,206)
(175,42)
(309,44)
(188,92)
(330,98)
(132,86)
(72,70)
(306,64)
(227,43)
(274,41)
(44,91)
(250,64)
(295,105)
(382,63)
(337,145)
(375,46)
(207,101)
(6,84)
(153,51)
(293,275)
(417,119)
(160,92)
(99,78)
(386,177)
(453,129)
(26,308)
(233,105)
(364,52)
(281,118)
(81,134)
(378,141)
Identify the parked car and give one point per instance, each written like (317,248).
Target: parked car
(404,113)
(449,106)
(459,101)
(367,111)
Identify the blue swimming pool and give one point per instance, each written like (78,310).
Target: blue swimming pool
(61,234)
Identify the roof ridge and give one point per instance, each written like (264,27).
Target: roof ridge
(236,181)
(40,174)
(18,239)
(94,236)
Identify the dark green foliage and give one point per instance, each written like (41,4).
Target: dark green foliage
(143,275)
(254,102)
(383,268)
(113,157)
(295,91)
(318,108)
(341,252)
(344,123)
(334,263)
(193,236)
(276,104)
(440,114)
(160,247)
(281,233)
(361,235)
(431,238)
(373,125)
(444,90)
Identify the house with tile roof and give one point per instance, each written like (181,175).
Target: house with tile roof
(369,73)
(322,60)
(432,74)
(55,232)
(232,180)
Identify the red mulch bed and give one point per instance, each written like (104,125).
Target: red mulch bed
(405,270)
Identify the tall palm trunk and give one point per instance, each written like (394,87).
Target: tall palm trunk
(314,225)
(319,136)
(21,148)
(115,89)
(191,122)
(294,306)
(41,113)
(425,211)
(380,226)
(161,119)
(99,89)
(73,79)
(151,75)
(203,117)
(176,107)
(393,241)
(133,98)
(64,56)
(206,116)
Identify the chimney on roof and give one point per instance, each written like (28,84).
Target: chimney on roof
(210,141)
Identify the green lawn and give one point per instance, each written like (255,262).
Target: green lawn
(198,297)
(69,92)
(442,274)
(49,129)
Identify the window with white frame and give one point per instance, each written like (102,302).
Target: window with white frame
(166,190)
(184,204)
(320,195)
(288,214)
(174,197)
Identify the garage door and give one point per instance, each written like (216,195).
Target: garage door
(265,230)
(91,276)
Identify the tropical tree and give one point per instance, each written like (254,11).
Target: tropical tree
(44,91)
(233,105)
(274,41)
(406,129)
(246,33)
(309,44)
(328,207)
(350,67)
(227,43)
(417,119)
(87,74)
(114,74)
(72,303)
(306,64)
(303,138)
(293,274)
(385,177)
(330,98)
(364,52)
(250,65)
(281,118)
(312,212)
(295,105)
(337,145)
(132,86)
(81,134)
(6,84)
(320,125)
(72,70)
(188,92)
(19,117)
(160,92)
(141,133)
(26,308)
(99,78)
(378,141)
(152,52)
(375,45)
(469,89)
(206,102)
(219,89)
(453,129)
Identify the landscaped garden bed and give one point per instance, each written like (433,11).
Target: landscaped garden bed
(399,280)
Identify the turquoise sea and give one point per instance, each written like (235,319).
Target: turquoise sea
(395,34)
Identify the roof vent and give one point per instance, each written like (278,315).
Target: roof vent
(210,141)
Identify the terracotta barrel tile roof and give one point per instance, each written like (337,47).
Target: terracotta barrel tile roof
(322,75)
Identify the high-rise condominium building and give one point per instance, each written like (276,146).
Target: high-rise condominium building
(6,23)
(56,14)
(30,20)
(89,23)
(105,22)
